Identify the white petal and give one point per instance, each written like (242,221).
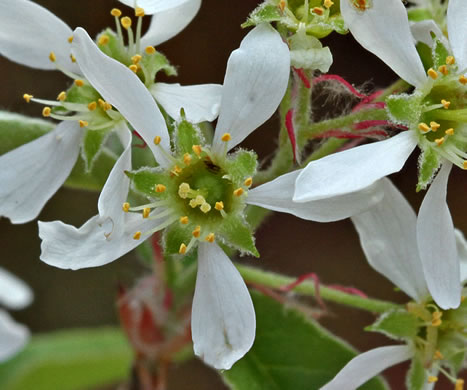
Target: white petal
(461,244)
(384,30)
(353,169)
(437,243)
(170,20)
(152,6)
(422,31)
(367,365)
(388,238)
(223,320)
(32,173)
(200,102)
(13,336)
(14,293)
(457,30)
(124,90)
(29,33)
(277,195)
(255,82)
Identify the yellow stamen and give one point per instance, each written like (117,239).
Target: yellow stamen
(459,384)
(182,249)
(134,68)
(423,127)
(52,56)
(176,170)
(137,236)
(445,103)
(79,83)
(226,137)
(197,149)
(450,131)
(187,159)
(116,12)
(219,206)
(27,97)
(136,58)
(160,188)
(450,60)
(46,111)
(432,73)
(318,11)
(196,233)
(150,50)
(282,5)
(183,190)
(72,58)
(205,208)
(463,80)
(248,182)
(107,106)
(434,126)
(139,12)
(193,203)
(70,39)
(210,237)
(438,355)
(103,40)
(126,22)
(126,207)
(465,167)
(146,212)
(444,70)
(61,96)
(439,141)
(328,3)
(239,192)
(101,103)
(432,379)
(92,106)
(83,123)
(184,220)
(157,140)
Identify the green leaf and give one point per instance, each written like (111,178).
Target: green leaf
(416,376)
(404,108)
(397,324)
(69,360)
(428,164)
(291,351)
(17,130)
(187,135)
(145,179)
(264,13)
(241,165)
(238,234)
(93,141)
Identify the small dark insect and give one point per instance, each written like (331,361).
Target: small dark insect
(211,166)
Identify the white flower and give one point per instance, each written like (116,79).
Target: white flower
(14,294)
(387,233)
(32,36)
(391,40)
(223,319)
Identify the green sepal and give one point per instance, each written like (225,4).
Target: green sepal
(186,135)
(426,55)
(114,48)
(238,234)
(241,165)
(404,108)
(440,52)
(454,356)
(418,14)
(428,164)
(93,141)
(264,13)
(396,324)
(175,235)
(83,95)
(417,375)
(145,179)
(154,63)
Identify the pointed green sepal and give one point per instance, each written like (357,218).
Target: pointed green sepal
(238,234)
(440,52)
(241,165)
(144,181)
(428,164)
(186,135)
(93,141)
(83,95)
(396,324)
(113,47)
(175,235)
(404,108)
(418,14)
(417,375)
(154,63)
(265,13)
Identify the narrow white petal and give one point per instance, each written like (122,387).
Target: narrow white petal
(200,102)
(457,30)
(383,29)
(367,365)
(169,21)
(124,90)
(437,243)
(223,320)
(388,237)
(422,32)
(277,195)
(353,169)
(153,6)
(461,244)
(29,33)
(14,293)
(255,82)
(32,173)
(13,336)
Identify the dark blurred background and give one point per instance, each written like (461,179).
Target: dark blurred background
(86,298)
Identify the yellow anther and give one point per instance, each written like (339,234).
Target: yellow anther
(196,233)
(52,56)
(437,315)
(432,73)
(134,68)
(463,296)
(450,60)
(150,50)
(184,220)
(239,191)
(459,384)
(445,103)
(92,106)
(46,111)
(318,11)
(146,212)
(70,39)
(183,190)
(423,127)
(83,123)
(439,141)
(136,58)
(219,206)
(79,83)
(282,5)
(61,96)
(101,103)
(126,22)
(210,237)
(434,126)
(107,106)
(226,137)
(248,182)
(126,207)
(157,140)
(438,355)
(187,159)
(116,12)
(463,80)
(137,236)
(200,200)
(139,12)
(182,249)
(444,70)
(328,3)
(176,170)
(432,379)
(72,58)
(193,203)
(160,188)
(197,149)
(450,131)
(27,97)
(103,40)
(464,165)
(205,208)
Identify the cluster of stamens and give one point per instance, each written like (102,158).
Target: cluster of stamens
(319,12)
